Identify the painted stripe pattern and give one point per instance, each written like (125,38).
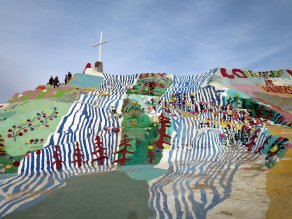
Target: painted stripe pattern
(86,119)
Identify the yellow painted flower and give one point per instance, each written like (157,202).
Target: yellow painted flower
(8,166)
(274,148)
(239,127)
(166,146)
(150,147)
(27,141)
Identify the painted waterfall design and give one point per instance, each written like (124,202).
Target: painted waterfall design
(200,168)
(86,119)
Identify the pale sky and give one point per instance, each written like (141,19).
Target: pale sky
(52,37)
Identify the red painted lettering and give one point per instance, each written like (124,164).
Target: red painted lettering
(269,82)
(224,73)
(239,73)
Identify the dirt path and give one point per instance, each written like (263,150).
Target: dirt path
(279,181)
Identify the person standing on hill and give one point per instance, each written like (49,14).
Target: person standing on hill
(66,79)
(56,81)
(69,76)
(51,81)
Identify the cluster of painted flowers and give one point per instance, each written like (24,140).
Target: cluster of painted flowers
(35,141)
(41,119)
(5,167)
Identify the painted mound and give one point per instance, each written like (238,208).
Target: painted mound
(138,117)
(204,125)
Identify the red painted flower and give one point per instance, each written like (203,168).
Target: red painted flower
(38,152)
(20,134)
(9,135)
(28,120)
(31,140)
(47,125)
(138,142)
(42,139)
(9,130)
(16,163)
(24,130)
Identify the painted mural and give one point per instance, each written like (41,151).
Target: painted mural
(190,138)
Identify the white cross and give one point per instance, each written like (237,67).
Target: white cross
(100,43)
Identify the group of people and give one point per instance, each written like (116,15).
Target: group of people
(68,77)
(55,81)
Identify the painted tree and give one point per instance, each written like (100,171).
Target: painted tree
(123,152)
(2,149)
(100,152)
(151,156)
(164,123)
(78,156)
(57,156)
(265,143)
(252,142)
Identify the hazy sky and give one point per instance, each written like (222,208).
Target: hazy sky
(51,37)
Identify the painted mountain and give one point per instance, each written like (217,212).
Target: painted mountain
(202,129)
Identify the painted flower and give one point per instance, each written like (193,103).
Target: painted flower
(274,148)
(222,135)
(150,147)
(16,163)
(8,166)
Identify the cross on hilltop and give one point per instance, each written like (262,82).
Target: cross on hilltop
(100,44)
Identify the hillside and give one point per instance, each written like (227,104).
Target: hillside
(216,120)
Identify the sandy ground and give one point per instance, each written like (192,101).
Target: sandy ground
(279,181)
(258,193)
(248,198)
